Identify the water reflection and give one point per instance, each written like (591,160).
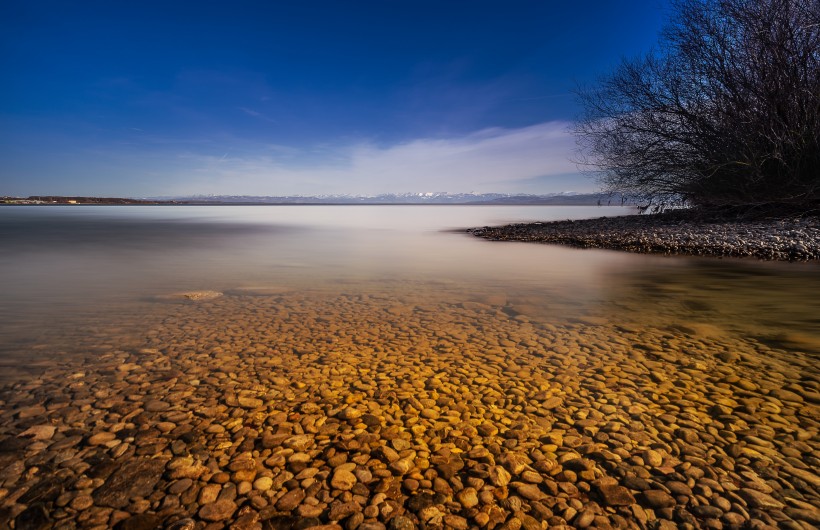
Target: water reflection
(91,255)
(74,234)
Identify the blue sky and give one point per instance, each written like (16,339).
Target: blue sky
(284,98)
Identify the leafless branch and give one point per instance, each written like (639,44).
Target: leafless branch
(725,112)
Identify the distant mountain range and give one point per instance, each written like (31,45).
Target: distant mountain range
(567,198)
(559,199)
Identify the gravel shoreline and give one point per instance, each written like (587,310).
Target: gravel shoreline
(794,239)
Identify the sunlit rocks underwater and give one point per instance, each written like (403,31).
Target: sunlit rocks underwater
(627,392)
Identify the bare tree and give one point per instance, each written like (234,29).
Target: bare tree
(725,112)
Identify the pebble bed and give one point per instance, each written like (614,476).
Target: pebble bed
(411,410)
(796,239)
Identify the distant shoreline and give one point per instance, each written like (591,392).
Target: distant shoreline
(49,200)
(306,204)
(467,199)
(675,233)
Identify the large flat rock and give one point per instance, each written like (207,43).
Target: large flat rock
(136,478)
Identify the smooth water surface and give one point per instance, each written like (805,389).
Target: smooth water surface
(69,266)
(60,264)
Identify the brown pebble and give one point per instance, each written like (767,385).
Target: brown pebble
(615,495)
(657,499)
(220,510)
(290,500)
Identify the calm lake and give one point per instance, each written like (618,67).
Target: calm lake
(60,265)
(352,328)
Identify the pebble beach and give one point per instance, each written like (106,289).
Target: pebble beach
(795,239)
(410,408)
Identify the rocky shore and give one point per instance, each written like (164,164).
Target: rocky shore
(276,410)
(795,239)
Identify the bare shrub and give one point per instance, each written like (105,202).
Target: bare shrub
(725,112)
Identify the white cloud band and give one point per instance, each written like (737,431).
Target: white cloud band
(490,160)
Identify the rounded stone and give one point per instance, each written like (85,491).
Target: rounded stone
(657,499)
(220,510)
(349,413)
(82,502)
(343,480)
(263,483)
(401,466)
(530,492)
(101,438)
(652,458)
(468,497)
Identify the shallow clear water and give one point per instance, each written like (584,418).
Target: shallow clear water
(63,268)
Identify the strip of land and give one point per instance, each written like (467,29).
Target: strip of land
(485,199)
(788,239)
(47,200)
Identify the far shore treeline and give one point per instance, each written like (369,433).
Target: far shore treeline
(58,199)
(485,199)
(723,115)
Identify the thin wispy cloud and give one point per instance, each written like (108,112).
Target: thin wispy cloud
(487,160)
(256,114)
